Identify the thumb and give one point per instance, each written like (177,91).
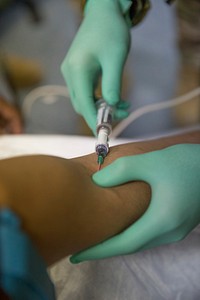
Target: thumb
(123,170)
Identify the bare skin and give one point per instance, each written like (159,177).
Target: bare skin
(62,210)
(10,118)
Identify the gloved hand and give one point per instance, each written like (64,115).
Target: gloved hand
(100,48)
(174,210)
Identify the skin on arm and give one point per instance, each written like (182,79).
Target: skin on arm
(61,208)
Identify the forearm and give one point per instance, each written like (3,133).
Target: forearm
(61,209)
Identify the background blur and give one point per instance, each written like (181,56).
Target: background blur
(35,37)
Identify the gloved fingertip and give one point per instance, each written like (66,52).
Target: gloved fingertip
(112,97)
(74,260)
(96,177)
(121,114)
(102,177)
(123,105)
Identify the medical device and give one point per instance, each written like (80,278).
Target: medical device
(105,113)
(104,129)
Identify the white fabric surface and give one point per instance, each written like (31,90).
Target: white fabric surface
(166,273)
(57,145)
(169,272)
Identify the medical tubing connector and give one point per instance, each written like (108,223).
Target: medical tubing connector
(103,127)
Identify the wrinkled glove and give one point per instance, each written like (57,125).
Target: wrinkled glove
(100,48)
(174,210)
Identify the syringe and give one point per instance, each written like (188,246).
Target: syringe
(104,129)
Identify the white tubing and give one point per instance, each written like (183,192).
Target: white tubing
(49,94)
(153,107)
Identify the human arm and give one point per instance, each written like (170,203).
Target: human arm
(62,210)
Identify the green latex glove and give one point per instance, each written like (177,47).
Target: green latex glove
(174,210)
(100,48)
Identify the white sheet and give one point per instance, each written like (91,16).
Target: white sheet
(170,272)
(167,273)
(58,145)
